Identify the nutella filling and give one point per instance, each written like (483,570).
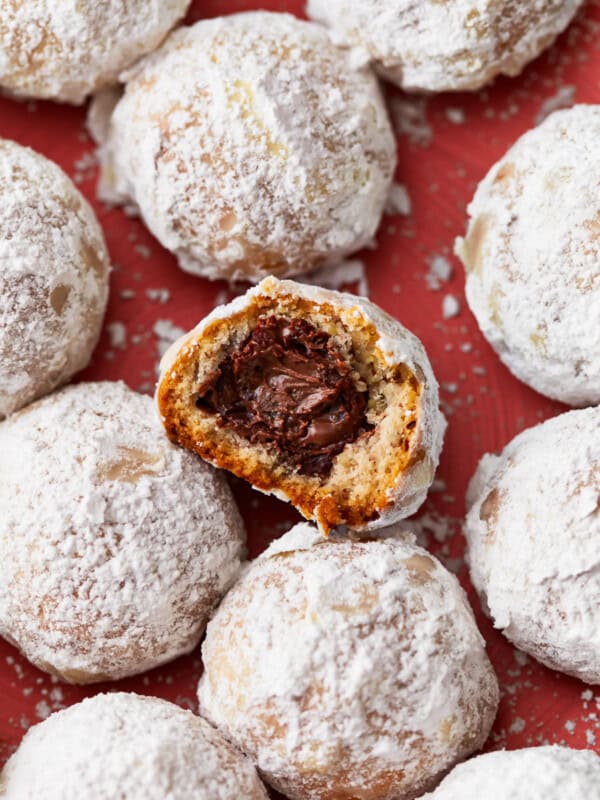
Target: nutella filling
(289,387)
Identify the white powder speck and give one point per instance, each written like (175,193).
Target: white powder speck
(456,116)
(127,294)
(570,726)
(518,726)
(158,295)
(450,306)
(440,271)
(350,271)
(409,117)
(398,200)
(117,334)
(42,710)
(166,332)
(564,98)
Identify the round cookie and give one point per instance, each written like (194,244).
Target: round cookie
(115,546)
(348,669)
(129,747)
(533,533)
(251,146)
(436,46)
(534,773)
(65,49)
(532,262)
(316,396)
(54,270)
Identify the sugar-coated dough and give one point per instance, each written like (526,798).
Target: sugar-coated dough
(533,532)
(534,773)
(375,481)
(532,251)
(348,669)
(115,546)
(251,146)
(128,747)
(54,270)
(65,49)
(439,46)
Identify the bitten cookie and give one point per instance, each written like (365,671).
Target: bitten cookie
(129,747)
(348,669)
(54,270)
(531,254)
(436,46)
(316,396)
(65,49)
(251,146)
(534,773)
(115,546)
(533,533)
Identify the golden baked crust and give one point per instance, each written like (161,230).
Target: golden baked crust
(364,480)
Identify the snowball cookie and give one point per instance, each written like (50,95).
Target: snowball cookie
(436,46)
(316,396)
(115,546)
(348,669)
(252,146)
(65,49)
(533,532)
(532,262)
(53,277)
(534,773)
(129,747)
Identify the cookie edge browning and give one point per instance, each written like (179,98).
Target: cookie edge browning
(395,349)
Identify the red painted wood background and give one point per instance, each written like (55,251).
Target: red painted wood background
(451,143)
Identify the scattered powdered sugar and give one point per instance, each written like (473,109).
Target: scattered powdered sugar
(166,333)
(126,745)
(161,296)
(450,306)
(440,271)
(117,333)
(125,540)
(340,275)
(564,98)
(409,117)
(337,643)
(398,200)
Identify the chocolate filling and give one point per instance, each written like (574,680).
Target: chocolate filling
(288,386)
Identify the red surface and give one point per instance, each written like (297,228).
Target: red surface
(486,405)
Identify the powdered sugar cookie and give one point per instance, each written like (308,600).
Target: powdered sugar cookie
(348,669)
(533,533)
(534,773)
(533,281)
(65,49)
(437,46)
(129,747)
(115,546)
(251,145)
(54,271)
(316,396)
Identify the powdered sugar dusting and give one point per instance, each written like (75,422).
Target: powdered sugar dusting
(125,745)
(71,49)
(53,277)
(439,47)
(251,146)
(335,639)
(126,541)
(540,499)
